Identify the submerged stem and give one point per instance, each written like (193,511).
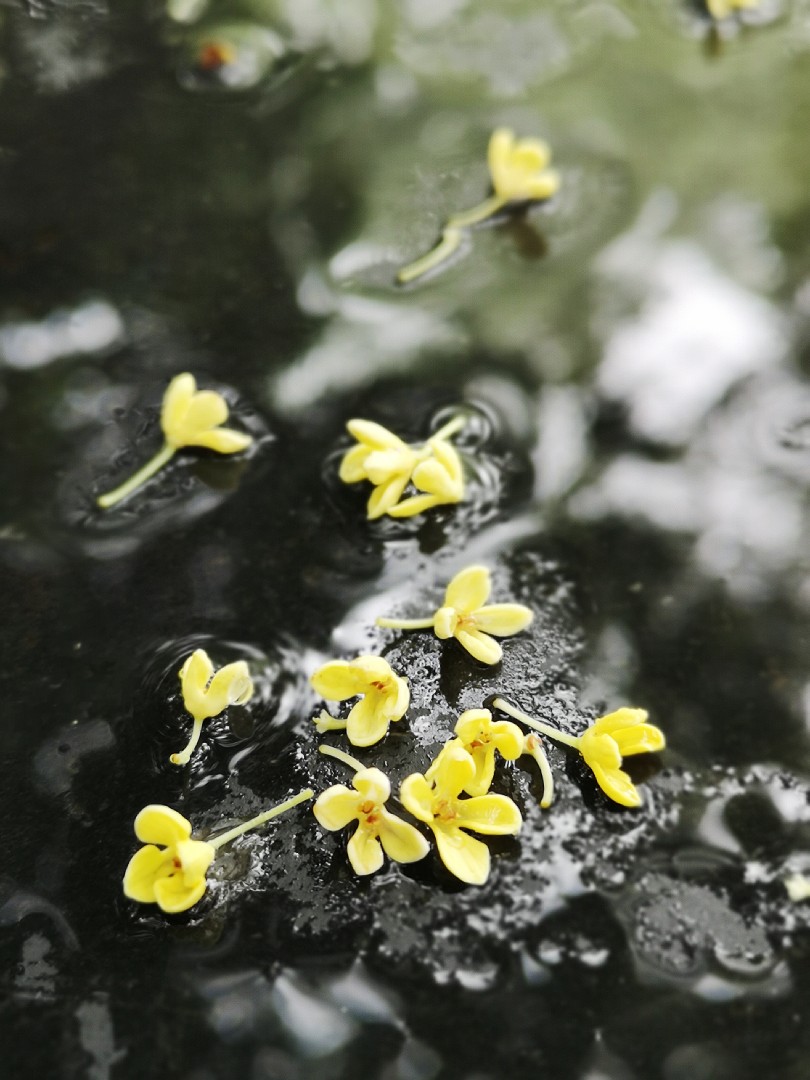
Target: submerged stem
(117,495)
(184,756)
(254,823)
(447,246)
(538,725)
(341,755)
(405,624)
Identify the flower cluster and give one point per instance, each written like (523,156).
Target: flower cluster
(390,465)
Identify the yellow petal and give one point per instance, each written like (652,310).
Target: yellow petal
(492,815)
(372,785)
(455,769)
(498,152)
(469,589)
(416,504)
(371,669)
(367,723)
(173,895)
(145,867)
(462,854)
(531,155)
(196,672)
(385,497)
(207,409)
(617,785)
(508,739)
(484,758)
(445,622)
(231,685)
(157,824)
(176,400)
(375,435)
(543,186)
(195,857)
(336,681)
(441,475)
(401,842)
(364,851)
(435,766)
(642,739)
(353,465)
(223,440)
(416,795)
(397,699)
(481,646)
(384,465)
(503,619)
(472,724)
(336,807)
(602,750)
(621,718)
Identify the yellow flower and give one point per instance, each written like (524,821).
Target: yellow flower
(603,745)
(391,464)
(188,417)
(437,803)
(206,694)
(170,871)
(480,737)
(612,737)
(384,695)
(721,9)
(377,829)
(798,887)
(519,168)
(467,617)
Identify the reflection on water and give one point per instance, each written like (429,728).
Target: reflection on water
(228,188)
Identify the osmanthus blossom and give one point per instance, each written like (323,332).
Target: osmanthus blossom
(520,174)
(377,829)
(390,465)
(188,417)
(610,738)
(170,870)
(384,696)
(206,694)
(722,9)
(437,803)
(480,735)
(466,616)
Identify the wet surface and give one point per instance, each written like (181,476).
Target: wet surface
(229,189)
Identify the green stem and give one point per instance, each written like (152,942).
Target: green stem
(449,429)
(538,725)
(405,624)
(341,755)
(447,246)
(487,209)
(184,756)
(325,722)
(138,479)
(254,823)
(536,750)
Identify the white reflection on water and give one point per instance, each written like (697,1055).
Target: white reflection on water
(92,327)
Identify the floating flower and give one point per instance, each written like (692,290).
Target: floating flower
(206,694)
(480,736)
(468,618)
(437,803)
(603,745)
(434,468)
(798,887)
(520,174)
(188,417)
(171,869)
(384,695)
(722,9)
(519,168)
(377,829)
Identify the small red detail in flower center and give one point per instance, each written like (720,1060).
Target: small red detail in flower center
(214,55)
(177,864)
(444,810)
(379,685)
(367,806)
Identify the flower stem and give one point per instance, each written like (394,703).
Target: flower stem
(452,427)
(341,755)
(535,748)
(184,756)
(487,209)
(447,246)
(405,624)
(538,725)
(138,479)
(254,823)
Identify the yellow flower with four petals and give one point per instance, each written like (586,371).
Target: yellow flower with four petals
(480,735)
(519,168)
(721,9)
(384,696)
(206,694)
(466,616)
(377,829)
(188,417)
(437,803)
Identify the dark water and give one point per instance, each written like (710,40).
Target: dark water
(634,358)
